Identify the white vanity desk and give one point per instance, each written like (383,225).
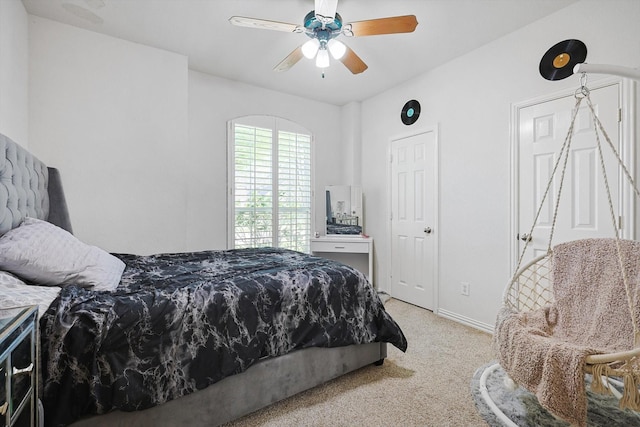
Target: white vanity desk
(356,251)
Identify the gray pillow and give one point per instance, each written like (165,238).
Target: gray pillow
(41,253)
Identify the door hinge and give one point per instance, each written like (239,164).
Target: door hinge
(619,115)
(390,157)
(619,222)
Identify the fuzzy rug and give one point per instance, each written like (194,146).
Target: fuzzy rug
(523,409)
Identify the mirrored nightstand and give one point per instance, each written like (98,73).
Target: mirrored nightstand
(18,366)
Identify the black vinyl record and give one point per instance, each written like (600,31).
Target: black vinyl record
(558,62)
(410,112)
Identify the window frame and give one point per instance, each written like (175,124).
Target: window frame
(275,124)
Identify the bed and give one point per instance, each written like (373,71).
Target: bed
(196,338)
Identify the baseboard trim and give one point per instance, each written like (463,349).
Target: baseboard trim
(485,327)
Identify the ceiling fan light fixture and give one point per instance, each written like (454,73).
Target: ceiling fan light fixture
(322,59)
(310,48)
(322,25)
(337,48)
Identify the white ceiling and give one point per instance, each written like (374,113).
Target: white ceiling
(200,30)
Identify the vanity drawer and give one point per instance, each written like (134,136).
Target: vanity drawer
(349,247)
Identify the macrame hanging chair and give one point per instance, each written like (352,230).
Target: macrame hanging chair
(596,277)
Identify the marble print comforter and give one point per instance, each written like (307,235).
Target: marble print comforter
(180,322)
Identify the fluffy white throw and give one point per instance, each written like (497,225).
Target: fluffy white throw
(545,350)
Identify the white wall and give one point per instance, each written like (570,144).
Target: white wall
(112,116)
(470,100)
(14,71)
(212,103)
(352,140)
(141,141)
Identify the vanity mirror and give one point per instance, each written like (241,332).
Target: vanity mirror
(343,207)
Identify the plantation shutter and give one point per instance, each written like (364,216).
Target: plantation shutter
(271,194)
(253,192)
(294,191)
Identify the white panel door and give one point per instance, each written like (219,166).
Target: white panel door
(413,223)
(583,207)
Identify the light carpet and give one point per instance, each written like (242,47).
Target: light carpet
(426,386)
(522,407)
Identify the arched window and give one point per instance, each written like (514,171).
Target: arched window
(270,183)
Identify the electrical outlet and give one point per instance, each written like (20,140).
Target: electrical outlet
(464,288)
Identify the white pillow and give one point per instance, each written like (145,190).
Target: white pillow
(44,254)
(15,293)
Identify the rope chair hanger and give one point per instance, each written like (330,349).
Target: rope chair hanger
(531,288)
(511,290)
(581,94)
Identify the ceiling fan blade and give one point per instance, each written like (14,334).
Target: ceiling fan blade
(326,9)
(353,61)
(264,24)
(290,60)
(372,27)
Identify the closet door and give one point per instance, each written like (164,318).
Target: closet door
(583,207)
(414,217)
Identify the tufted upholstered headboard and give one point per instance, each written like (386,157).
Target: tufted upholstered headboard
(29,188)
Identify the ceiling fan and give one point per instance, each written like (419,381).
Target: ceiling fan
(323,25)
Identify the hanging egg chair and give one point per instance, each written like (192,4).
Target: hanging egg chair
(575,310)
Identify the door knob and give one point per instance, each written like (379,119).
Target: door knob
(428,230)
(525,237)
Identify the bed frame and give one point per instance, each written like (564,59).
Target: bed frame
(266,382)
(35,190)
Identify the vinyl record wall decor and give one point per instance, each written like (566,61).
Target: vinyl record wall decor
(558,62)
(410,112)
